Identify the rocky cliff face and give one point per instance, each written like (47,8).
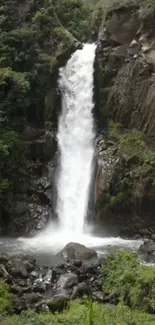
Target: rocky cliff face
(125,181)
(128,50)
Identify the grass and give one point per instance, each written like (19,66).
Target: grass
(85,313)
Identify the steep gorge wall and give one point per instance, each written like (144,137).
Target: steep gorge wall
(125,188)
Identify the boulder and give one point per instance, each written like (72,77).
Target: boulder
(147,250)
(67,280)
(98,296)
(80,290)
(56,303)
(78,263)
(78,252)
(19,269)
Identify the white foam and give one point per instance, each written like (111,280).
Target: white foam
(52,240)
(75,139)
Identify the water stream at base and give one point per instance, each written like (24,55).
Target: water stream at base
(76,146)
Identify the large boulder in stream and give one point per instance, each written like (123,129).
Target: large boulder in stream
(147,250)
(78,252)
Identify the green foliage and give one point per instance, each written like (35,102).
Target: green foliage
(32,48)
(14,89)
(131,282)
(120,198)
(146,7)
(75,15)
(5,298)
(84,313)
(132,143)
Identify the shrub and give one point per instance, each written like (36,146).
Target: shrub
(5,298)
(131,282)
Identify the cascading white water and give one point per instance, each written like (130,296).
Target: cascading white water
(75,139)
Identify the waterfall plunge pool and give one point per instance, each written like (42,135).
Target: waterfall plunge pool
(45,246)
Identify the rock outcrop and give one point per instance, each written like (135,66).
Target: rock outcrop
(127,60)
(125,68)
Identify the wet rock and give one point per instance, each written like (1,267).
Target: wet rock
(91,269)
(48,276)
(54,274)
(98,284)
(3,271)
(82,277)
(78,252)
(80,290)
(61,266)
(34,274)
(58,285)
(18,304)
(31,298)
(27,289)
(42,305)
(33,133)
(98,296)
(29,266)
(19,269)
(134,47)
(39,216)
(58,291)
(111,298)
(16,289)
(56,303)
(67,280)
(3,258)
(78,263)
(147,250)
(39,286)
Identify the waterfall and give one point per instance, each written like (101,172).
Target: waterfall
(75,139)
(76,146)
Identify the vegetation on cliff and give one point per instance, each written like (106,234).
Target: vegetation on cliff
(36,39)
(127,199)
